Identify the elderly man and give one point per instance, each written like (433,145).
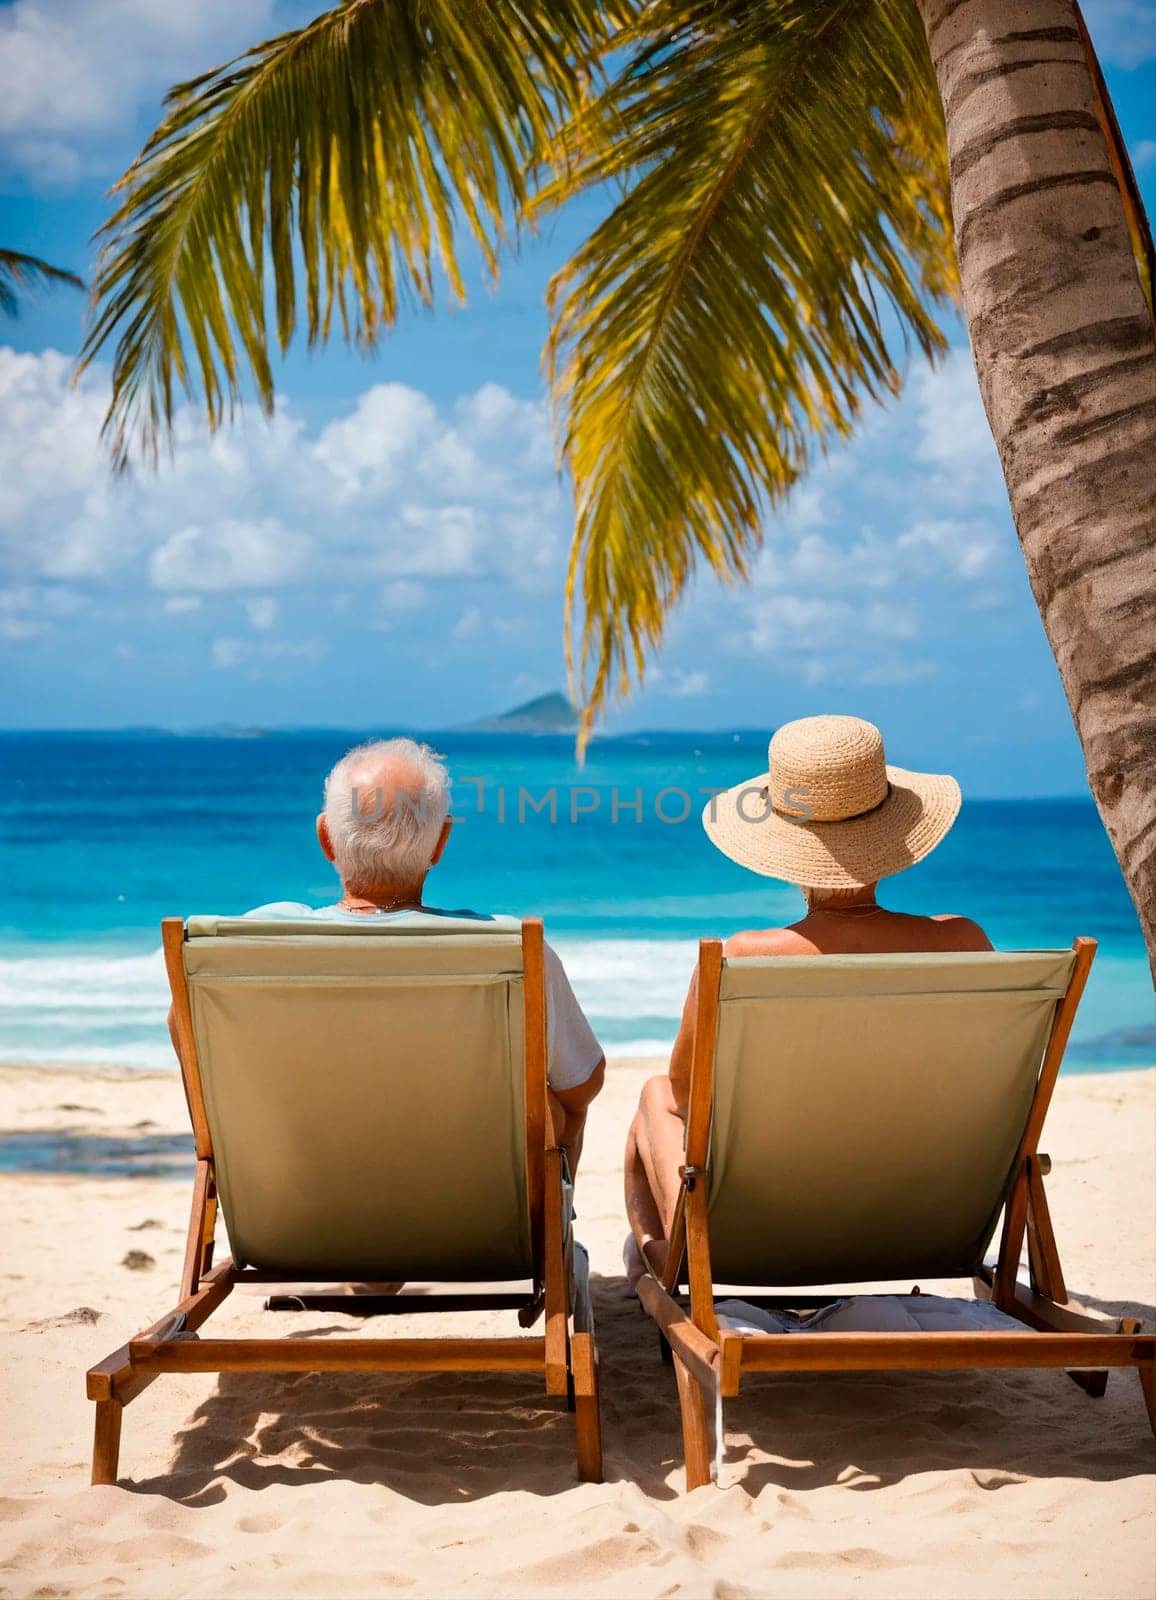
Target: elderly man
(385,823)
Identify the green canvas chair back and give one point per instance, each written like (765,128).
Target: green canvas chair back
(868,1111)
(364,1089)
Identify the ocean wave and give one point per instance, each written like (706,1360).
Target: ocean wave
(81,981)
(87,1006)
(629,979)
(617,977)
(639,1050)
(142,1055)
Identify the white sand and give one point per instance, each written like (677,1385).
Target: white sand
(903,1484)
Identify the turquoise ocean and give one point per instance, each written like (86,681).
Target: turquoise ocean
(101,835)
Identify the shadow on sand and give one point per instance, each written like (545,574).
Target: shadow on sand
(61,1153)
(457,1437)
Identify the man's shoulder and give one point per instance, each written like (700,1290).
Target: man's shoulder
(458,921)
(488,919)
(461,920)
(281,908)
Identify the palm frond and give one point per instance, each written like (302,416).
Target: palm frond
(784,223)
(18,271)
(349,156)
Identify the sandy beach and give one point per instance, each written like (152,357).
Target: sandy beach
(891,1485)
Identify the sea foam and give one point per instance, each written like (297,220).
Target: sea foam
(81,1007)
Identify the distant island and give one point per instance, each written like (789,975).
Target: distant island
(549,713)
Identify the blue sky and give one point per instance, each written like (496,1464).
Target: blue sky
(390,550)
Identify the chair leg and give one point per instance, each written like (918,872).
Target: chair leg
(106,1440)
(587,1410)
(1148,1385)
(695,1432)
(1094,1383)
(1047,1276)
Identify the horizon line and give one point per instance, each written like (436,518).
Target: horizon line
(252,732)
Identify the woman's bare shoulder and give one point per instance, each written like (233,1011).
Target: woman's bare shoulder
(961,933)
(768,942)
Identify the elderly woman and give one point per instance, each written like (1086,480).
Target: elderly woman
(833,818)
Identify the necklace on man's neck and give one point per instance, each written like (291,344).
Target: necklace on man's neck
(356,904)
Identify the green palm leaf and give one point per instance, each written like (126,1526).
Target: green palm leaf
(348,157)
(18,271)
(785,216)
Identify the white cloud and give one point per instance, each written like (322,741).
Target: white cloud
(262,612)
(1123,31)
(229,555)
(367,452)
(830,593)
(797,628)
(950,528)
(182,605)
(987,600)
(17,629)
(795,623)
(227,653)
(468,624)
(895,673)
(53,495)
(435,542)
(1144,155)
(687,685)
(827,563)
(403,595)
(885,621)
(293,649)
(954,439)
(50,600)
(967,550)
(865,562)
(834,598)
(28,610)
(395,491)
(75,73)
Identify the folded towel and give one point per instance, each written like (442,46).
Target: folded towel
(873,1313)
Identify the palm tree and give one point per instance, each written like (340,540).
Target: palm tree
(1062,335)
(18,271)
(781,220)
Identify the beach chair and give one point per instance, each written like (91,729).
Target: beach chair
(369,1106)
(865,1120)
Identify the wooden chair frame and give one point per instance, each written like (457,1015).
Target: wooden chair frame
(565,1353)
(709,1363)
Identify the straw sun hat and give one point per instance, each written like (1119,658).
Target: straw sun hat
(830,813)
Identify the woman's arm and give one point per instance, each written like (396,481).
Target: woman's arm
(683,1052)
(682,1055)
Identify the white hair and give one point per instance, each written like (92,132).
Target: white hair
(386,838)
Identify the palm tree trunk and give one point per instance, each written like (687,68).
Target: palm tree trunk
(1063,343)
